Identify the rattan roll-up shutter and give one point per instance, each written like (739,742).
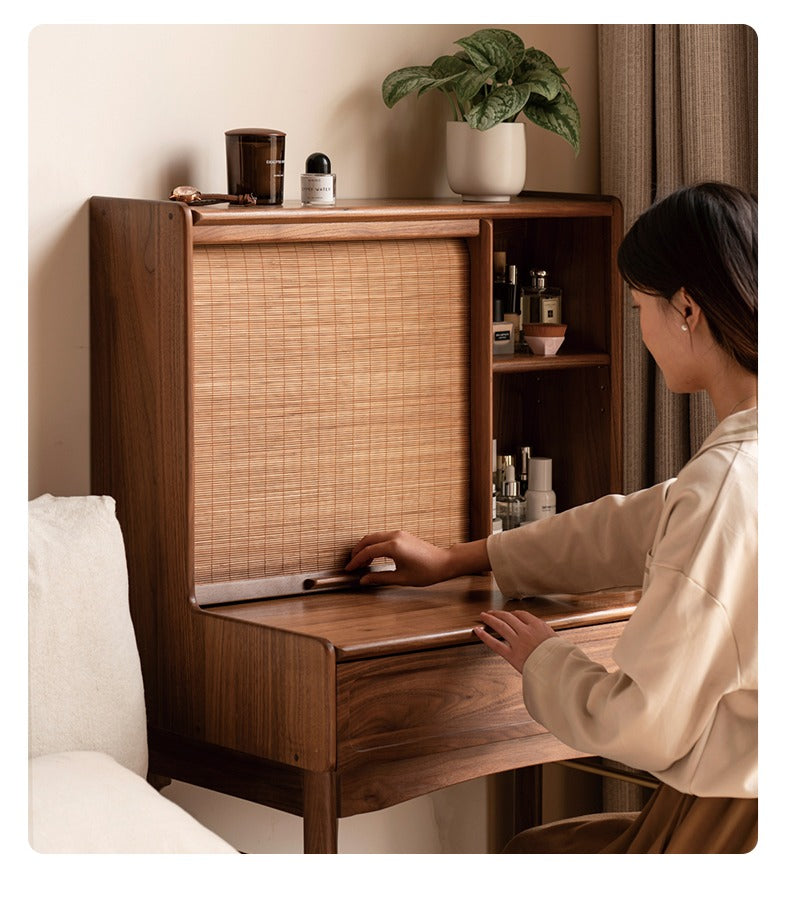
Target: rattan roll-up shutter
(330,399)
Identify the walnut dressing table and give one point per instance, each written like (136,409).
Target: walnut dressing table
(269,384)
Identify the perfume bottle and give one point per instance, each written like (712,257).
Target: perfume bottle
(510,506)
(544,304)
(541,501)
(318,181)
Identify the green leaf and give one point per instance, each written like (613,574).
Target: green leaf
(536,60)
(443,66)
(508,39)
(541,81)
(404,81)
(458,74)
(470,84)
(503,103)
(494,47)
(561,116)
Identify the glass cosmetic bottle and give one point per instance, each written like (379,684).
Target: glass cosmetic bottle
(499,290)
(523,477)
(496,522)
(543,303)
(318,181)
(502,337)
(510,505)
(541,501)
(502,334)
(513,303)
(502,461)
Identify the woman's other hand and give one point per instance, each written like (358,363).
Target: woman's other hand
(520,632)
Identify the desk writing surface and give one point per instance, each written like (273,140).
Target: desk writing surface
(368,622)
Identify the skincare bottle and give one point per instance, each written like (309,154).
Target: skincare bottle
(500,265)
(499,289)
(503,338)
(502,461)
(502,332)
(541,501)
(318,181)
(510,505)
(496,522)
(513,303)
(544,303)
(523,479)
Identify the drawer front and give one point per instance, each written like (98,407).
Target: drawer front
(438,701)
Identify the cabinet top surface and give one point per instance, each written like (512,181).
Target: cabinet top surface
(375,622)
(524,206)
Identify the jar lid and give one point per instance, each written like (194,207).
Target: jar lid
(255,132)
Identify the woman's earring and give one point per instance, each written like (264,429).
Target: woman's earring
(684,327)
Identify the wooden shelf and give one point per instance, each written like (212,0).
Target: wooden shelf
(536,363)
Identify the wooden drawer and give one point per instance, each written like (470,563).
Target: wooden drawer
(439,701)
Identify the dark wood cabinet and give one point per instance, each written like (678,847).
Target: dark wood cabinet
(269,384)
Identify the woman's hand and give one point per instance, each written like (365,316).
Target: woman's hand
(520,632)
(417,562)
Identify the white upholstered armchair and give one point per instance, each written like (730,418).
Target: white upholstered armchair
(87,727)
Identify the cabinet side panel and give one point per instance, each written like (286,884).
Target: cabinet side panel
(140,270)
(482,464)
(331,399)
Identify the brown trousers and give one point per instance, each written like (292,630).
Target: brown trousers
(671,823)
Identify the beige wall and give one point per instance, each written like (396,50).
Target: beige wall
(134,111)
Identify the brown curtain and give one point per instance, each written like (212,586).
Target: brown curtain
(678,105)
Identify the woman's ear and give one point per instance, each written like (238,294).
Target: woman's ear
(689,310)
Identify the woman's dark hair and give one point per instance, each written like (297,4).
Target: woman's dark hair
(704,239)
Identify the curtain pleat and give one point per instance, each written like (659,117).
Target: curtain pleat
(626,76)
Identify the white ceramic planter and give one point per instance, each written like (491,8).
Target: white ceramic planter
(486,165)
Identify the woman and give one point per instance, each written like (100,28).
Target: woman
(682,703)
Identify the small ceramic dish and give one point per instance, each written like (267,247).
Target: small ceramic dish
(543,338)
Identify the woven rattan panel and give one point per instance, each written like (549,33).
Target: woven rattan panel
(331,398)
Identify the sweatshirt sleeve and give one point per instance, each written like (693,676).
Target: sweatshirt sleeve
(676,659)
(588,548)
(650,712)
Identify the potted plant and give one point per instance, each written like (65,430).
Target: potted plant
(491,81)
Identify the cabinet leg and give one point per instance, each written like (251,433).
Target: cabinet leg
(320,813)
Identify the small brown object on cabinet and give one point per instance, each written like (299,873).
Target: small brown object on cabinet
(191,195)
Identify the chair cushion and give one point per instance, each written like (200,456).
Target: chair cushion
(85,683)
(84,801)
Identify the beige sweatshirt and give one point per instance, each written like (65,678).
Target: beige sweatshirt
(682,703)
